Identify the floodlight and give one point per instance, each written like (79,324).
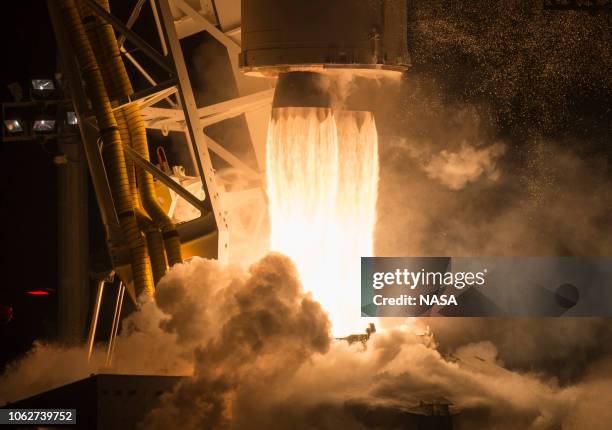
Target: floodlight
(13,125)
(44,125)
(43,84)
(71,118)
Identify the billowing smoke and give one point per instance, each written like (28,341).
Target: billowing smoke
(259,353)
(456,169)
(45,366)
(255,329)
(262,358)
(526,86)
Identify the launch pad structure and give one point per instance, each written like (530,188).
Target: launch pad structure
(263,39)
(170,107)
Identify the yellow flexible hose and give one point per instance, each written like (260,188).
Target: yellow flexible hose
(155,242)
(107,52)
(113,149)
(119,86)
(146,186)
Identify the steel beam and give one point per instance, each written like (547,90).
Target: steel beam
(143,163)
(209,114)
(144,73)
(130,35)
(187,26)
(148,92)
(229,43)
(232,159)
(89,134)
(73,244)
(157,97)
(228,14)
(115,326)
(194,129)
(158,27)
(131,20)
(91,337)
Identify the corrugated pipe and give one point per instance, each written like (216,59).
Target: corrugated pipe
(152,234)
(119,86)
(112,147)
(146,187)
(155,242)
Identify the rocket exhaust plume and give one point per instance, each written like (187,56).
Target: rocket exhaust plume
(322,173)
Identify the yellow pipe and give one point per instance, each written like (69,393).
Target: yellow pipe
(107,52)
(113,149)
(119,86)
(146,187)
(155,243)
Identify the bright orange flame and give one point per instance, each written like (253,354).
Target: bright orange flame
(322,172)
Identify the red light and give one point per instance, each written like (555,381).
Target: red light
(37,293)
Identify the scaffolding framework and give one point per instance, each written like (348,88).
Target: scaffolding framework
(175,20)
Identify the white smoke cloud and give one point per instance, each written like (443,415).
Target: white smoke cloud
(44,367)
(242,327)
(456,169)
(345,86)
(259,353)
(247,377)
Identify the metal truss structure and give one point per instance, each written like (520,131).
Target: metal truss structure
(170,106)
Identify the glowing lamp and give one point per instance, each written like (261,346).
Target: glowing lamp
(13,125)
